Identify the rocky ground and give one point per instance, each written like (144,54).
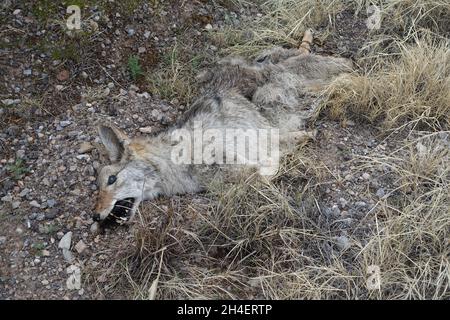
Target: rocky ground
(56,88)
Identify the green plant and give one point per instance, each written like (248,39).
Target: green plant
(18,169)
(134,67)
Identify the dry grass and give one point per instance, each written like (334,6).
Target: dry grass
(175,77)
(412,240)
(274,239)
(410,88)
(283,23)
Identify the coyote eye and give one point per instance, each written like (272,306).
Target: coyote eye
(112,179)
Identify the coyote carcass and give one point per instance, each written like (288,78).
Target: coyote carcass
(269,97)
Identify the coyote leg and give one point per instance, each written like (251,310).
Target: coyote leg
(305,45)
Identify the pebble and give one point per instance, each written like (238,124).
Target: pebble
(65,241)
(380,193)
(63,75)
(342,242)
(35,204)
(74,280)
(52,214)
(68,256)
(24,192)
(95,228)
(335,210)
(156,114)
(9,102)
(145,129)
(360,204)
(343,202)
(85,147)
(80,246)
(7,198)
(2,240)
(51,203)
(65,123)
(366,176)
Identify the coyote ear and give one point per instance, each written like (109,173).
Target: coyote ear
(114,141)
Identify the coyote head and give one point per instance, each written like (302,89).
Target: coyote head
(128,180)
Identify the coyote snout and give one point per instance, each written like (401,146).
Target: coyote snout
(130,178)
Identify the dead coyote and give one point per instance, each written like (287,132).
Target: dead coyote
(270,97)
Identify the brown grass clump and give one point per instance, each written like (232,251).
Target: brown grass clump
(412,88)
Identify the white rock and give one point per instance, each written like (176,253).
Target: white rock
(421,149)
(95,228)
(35,204)
(80,246)
(65,241)
(8,102)
(68,256)
(145,129)
(380,192)
(74,280)
(208,26)
(85,147)
(7,198)
(342,242)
